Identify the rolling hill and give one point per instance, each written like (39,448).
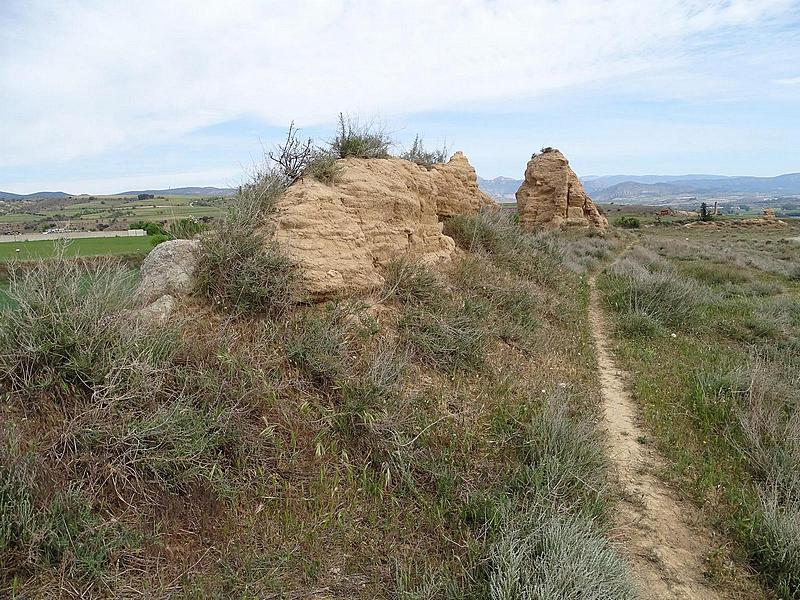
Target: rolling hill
(183,191)
(34,196)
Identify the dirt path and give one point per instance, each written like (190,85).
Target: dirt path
(666,545)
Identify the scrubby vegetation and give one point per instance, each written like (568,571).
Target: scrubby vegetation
(359,140)
(433,440)
(419,154)
(297,157)
(239,270)
(710,328)
(628,222)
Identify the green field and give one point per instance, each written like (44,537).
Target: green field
(111,246)
(89,212)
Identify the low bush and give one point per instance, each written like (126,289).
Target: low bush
(515,307)
(241,273)
(149,227)
(638,325)
(665,296)
(316,345)
(186,228)
(324,168)
(159,239)
(357,140)
(413,283)
(239,270)
(775,543)
(564,463)
(42,529)
(449,338)
(520,254)
(771,432)
(363,397)
(422,156)
(484,233)
(627,222)
(67,331)
(544,554)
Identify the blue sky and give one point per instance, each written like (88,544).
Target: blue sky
(102,97)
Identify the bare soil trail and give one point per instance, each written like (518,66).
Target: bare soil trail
(663,535)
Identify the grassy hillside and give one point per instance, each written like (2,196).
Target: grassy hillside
(433,440)
(708,323)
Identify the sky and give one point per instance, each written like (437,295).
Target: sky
(102,97)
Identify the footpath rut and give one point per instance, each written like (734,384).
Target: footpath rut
(665,541)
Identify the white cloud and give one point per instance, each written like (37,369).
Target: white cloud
(787,81)
(80,78)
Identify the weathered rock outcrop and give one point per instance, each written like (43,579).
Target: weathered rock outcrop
(457,191)
(552,195)
(343,235)
(168,269)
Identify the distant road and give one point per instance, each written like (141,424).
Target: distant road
(70,235)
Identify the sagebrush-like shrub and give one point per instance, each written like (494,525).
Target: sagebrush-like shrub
(563,460)
(68,328)
(545,555)
(323,167)
(422,156)
(666,296)
(413,283)
(186,229)
(448,338)
(239,270)
(316,345)
(357,140)
(775,543)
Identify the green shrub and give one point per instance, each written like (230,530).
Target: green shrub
(40,528)
(420,155)
(186,228)
(515,309)
(483,233)
(324,168)
(159,239)
(176,444)
(359,141)
(242,273)
(363,397)
(627,222)
(638,325)
(563,461)
(239,270)
(523,255)
(149,227)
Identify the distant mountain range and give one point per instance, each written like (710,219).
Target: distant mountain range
(644,188)
(34,196)
(635,188)
(183,191)
(603,188)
